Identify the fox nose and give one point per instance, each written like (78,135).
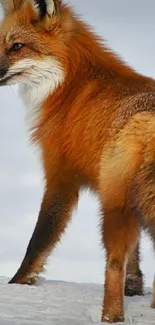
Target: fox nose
(3,71)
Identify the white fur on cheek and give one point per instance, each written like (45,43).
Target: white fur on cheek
(41,78)
(38,78)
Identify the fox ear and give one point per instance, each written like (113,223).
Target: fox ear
(44,8)
(10,5)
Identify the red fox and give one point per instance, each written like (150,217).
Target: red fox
(95,125)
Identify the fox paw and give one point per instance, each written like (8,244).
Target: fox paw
(112,318)
(32,279)
(134,285)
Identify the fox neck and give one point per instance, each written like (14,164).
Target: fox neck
(88,60)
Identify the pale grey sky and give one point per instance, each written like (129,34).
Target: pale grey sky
(129,27)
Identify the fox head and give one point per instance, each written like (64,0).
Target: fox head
(32,42)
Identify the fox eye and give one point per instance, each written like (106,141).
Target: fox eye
(16,46)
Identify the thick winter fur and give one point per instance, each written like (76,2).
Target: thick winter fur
(95,125)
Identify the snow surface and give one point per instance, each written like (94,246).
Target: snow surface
(56,302)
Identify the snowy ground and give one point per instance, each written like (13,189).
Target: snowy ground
(55,303)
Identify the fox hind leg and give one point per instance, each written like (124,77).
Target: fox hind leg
(120,236)
(121,228)
(143,200)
